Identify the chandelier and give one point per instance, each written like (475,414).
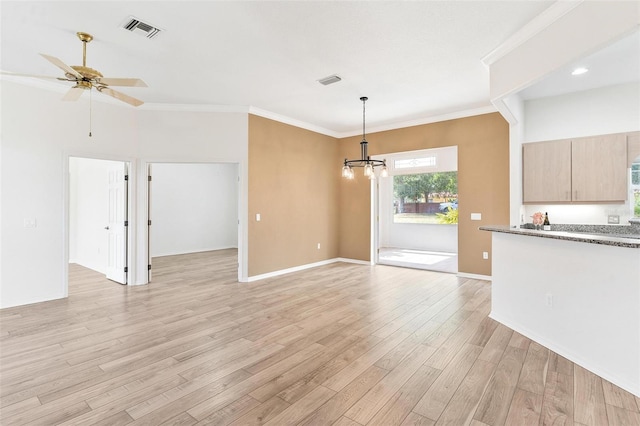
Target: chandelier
(364,160)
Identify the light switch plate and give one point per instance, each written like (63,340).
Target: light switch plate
(257,217)
(476,216)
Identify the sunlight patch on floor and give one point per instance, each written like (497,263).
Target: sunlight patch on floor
(434,261)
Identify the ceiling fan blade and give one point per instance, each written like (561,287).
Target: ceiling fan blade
(46,77)
(64,67)
(128,82)
(73,94)
(120,96)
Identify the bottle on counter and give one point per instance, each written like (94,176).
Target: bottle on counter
(546,225)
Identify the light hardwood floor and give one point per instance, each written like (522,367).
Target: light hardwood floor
(341,344)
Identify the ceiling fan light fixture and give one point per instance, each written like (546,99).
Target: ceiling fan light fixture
(84,85)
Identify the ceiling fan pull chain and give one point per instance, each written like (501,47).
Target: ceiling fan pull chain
(90,110)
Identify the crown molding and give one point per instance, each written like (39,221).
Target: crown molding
(34,82)
(550,15)
(292,121)
(427,120)
(194,108)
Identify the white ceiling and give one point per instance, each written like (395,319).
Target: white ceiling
(413,59)
(616,63)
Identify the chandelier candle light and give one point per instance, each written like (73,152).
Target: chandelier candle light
(364,161)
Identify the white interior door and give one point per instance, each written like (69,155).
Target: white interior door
(118,223)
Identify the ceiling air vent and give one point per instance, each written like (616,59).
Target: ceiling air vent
(142,28)
(329,80)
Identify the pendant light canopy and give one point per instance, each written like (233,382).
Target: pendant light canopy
(364,160)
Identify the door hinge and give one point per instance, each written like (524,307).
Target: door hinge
(126,177)
(126,223)
(126,269)
(149,178)
(149,222)
(148,267)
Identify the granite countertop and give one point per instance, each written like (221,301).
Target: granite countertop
(619,236)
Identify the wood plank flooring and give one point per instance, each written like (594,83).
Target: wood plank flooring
(341,344)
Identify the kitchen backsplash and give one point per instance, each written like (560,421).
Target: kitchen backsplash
(588,214)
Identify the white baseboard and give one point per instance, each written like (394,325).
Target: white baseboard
(172,253)
(357,261)
(346,260)
(303,267)
(290,270)
(475,276)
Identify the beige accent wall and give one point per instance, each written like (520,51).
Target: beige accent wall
(294,183)
(483,183)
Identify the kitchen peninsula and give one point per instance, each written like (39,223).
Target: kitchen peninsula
(576,293)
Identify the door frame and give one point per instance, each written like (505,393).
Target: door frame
(131,212)
(144,213)
(375,207)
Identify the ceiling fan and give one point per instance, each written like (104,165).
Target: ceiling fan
(86,78)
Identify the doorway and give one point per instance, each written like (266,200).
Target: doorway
(417,211)
(193,208)
(98,216)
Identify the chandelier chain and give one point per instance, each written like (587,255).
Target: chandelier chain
(364,101)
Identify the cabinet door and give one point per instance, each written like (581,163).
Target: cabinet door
(599,169)
(546,172)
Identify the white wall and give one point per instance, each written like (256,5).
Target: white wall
(612,109)
(516,135)
(40,132)
(194,208)
(89,212)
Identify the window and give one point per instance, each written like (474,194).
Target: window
(426,198)
(412,163)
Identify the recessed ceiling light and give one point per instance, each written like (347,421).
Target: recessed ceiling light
(579,71)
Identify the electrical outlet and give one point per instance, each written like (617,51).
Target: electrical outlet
(485,255)
(29,222)
(549,300)
(258,217)
(613,219)
(318,246)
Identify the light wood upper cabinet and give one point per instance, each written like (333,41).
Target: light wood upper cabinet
(546,171)
(590,169)
(599,168)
